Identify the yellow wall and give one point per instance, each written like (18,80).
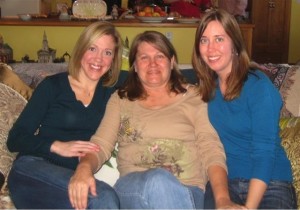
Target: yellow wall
(28,39)
(183,39)
(294,44)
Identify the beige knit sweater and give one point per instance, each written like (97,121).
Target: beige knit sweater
(178,137)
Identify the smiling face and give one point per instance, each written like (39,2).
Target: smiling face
(216,48)
(152,66)
(98,58)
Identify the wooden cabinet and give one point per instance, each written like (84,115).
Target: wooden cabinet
(271,32)
(247,32)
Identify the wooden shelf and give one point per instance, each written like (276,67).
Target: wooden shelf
(80,23)
(62,35)
(118,23)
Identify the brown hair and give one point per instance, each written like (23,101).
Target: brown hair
(89,35)
(240,63)
(133,88)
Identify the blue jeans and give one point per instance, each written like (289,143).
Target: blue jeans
(34,183)
(157,189)
(279,195)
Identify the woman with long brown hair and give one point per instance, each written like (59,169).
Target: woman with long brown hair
(244,107)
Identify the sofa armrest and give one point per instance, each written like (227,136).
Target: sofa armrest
(12,104)
(290,135)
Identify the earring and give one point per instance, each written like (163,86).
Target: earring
(134,68)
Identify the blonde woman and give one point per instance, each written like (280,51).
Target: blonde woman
(53,131)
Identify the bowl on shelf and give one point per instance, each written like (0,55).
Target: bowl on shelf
(25,17)
(152,19)
(187,20)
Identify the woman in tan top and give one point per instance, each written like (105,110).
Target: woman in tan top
(167,148)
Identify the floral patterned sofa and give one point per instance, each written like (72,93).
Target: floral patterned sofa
(17,81)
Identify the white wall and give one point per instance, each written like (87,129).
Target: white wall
(15,7)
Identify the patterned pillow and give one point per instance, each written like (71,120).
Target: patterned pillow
(292,98)
(11,105)
(33,73)
(10,78)
(286,79)
(290,134)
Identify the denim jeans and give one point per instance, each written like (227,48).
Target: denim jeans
(157,189)
(34,183)
(279,195)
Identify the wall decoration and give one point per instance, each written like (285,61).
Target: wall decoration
(46,54)
(6,52)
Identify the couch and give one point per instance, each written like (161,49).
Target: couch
(17,81)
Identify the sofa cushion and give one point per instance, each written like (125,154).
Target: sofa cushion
(290,134)
(11,105)
(10,78)
(109,172)
(286,79)
(292,98)
(33,73)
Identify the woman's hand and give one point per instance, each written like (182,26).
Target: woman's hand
(73,148)
(219,183)
(228,204)
(81,182)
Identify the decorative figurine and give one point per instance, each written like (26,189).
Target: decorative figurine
(6,52)
(46,54)
(114,12)
(64,12)
(26,59)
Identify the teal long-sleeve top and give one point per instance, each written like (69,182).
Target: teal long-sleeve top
(53,113)
(248,127)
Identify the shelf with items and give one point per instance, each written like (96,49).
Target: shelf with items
(62,35)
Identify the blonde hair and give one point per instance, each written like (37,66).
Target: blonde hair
(89,35)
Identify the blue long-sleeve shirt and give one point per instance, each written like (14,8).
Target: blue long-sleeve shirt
(53,113)
(248,127)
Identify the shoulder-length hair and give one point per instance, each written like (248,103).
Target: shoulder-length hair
(240,63)
(132,87)
(89,35)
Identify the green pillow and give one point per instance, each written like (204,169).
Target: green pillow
(290,135)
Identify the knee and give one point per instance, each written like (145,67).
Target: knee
(160,178)
(105,190)
(106,197)
(146,181)
(25,164)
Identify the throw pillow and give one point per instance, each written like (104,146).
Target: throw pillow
(11,105)
(290,134)
(292,87)
(286,79)
(10,78)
